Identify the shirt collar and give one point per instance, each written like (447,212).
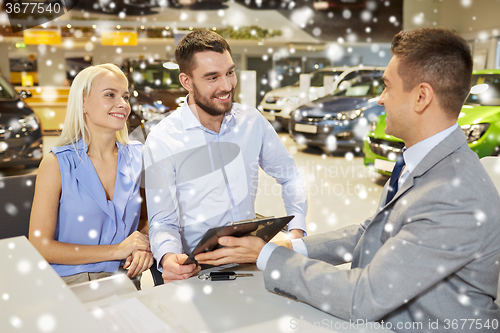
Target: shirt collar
(189,120)
(417,152)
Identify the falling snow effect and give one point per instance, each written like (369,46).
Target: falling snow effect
(306,19)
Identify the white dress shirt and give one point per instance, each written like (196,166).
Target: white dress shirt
(197,179)
(412,157)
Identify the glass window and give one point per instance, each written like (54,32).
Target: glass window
(6,90)
(485,90)
(352,75)
(317,79)
(369,87)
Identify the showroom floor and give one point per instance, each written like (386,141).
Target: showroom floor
(340,189)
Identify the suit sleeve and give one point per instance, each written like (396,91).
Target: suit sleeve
(422,254)
(335,247)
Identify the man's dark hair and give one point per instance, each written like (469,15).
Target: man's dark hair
(439,57)
(198,41)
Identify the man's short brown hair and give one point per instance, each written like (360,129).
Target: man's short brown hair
(439,57)
(198,41)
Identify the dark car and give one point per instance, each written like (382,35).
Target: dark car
(20,132)
(339,121)
(130,7)
(326,4)
(266,4)
(156,90)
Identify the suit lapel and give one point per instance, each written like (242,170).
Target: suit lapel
(451,143)
(375,235)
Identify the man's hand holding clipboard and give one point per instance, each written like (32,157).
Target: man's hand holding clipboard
(230,244)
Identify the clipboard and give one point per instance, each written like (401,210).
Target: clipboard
(265,228)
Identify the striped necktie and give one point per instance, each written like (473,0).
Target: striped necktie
(393,182)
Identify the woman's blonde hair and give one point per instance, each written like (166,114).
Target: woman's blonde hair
(75,127)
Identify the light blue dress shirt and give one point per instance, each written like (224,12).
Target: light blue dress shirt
(197,179)
(412,156)
(85,215)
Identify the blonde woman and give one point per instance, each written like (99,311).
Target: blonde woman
(87,203)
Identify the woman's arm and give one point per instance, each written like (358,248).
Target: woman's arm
(43,222)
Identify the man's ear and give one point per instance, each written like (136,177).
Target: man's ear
(424,97)
(185,81)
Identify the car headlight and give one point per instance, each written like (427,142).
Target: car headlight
(30,122)
(347,115)
(294,100)
(296,115)
(474,132)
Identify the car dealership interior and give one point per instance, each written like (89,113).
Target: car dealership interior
(295,59)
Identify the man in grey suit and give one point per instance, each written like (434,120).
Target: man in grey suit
(428,260)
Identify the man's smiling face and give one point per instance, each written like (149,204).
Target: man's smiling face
(213,82)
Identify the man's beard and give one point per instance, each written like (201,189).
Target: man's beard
(209,106)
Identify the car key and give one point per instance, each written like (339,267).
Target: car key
(222,276)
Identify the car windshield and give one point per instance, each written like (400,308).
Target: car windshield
(155,75)
(6,90)
(317,79)
(366,86)
(485,90)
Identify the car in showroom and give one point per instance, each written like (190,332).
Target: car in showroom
(339,121)
(156,90)
(20,132)
(326,4)
(132,7)
(278,104)
(479,120)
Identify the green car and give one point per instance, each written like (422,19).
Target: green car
(479,120)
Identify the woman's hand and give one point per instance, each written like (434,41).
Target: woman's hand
(135,242)
(138,262)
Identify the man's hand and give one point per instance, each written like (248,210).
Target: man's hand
(236,250)
(296,233)
(138,262)
(174,270)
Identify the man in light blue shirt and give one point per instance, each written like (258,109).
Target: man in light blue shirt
(428,260)
(202,161)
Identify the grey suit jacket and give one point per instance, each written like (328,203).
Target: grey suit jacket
(431,254)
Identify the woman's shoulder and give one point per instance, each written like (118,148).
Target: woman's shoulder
(76,147)
(133,147)
(135,144)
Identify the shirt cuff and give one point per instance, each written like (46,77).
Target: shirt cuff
(299,246)
(264,255)
(167,247)
(298,222)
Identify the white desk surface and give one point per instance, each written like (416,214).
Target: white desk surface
(33,298)
(241,305)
